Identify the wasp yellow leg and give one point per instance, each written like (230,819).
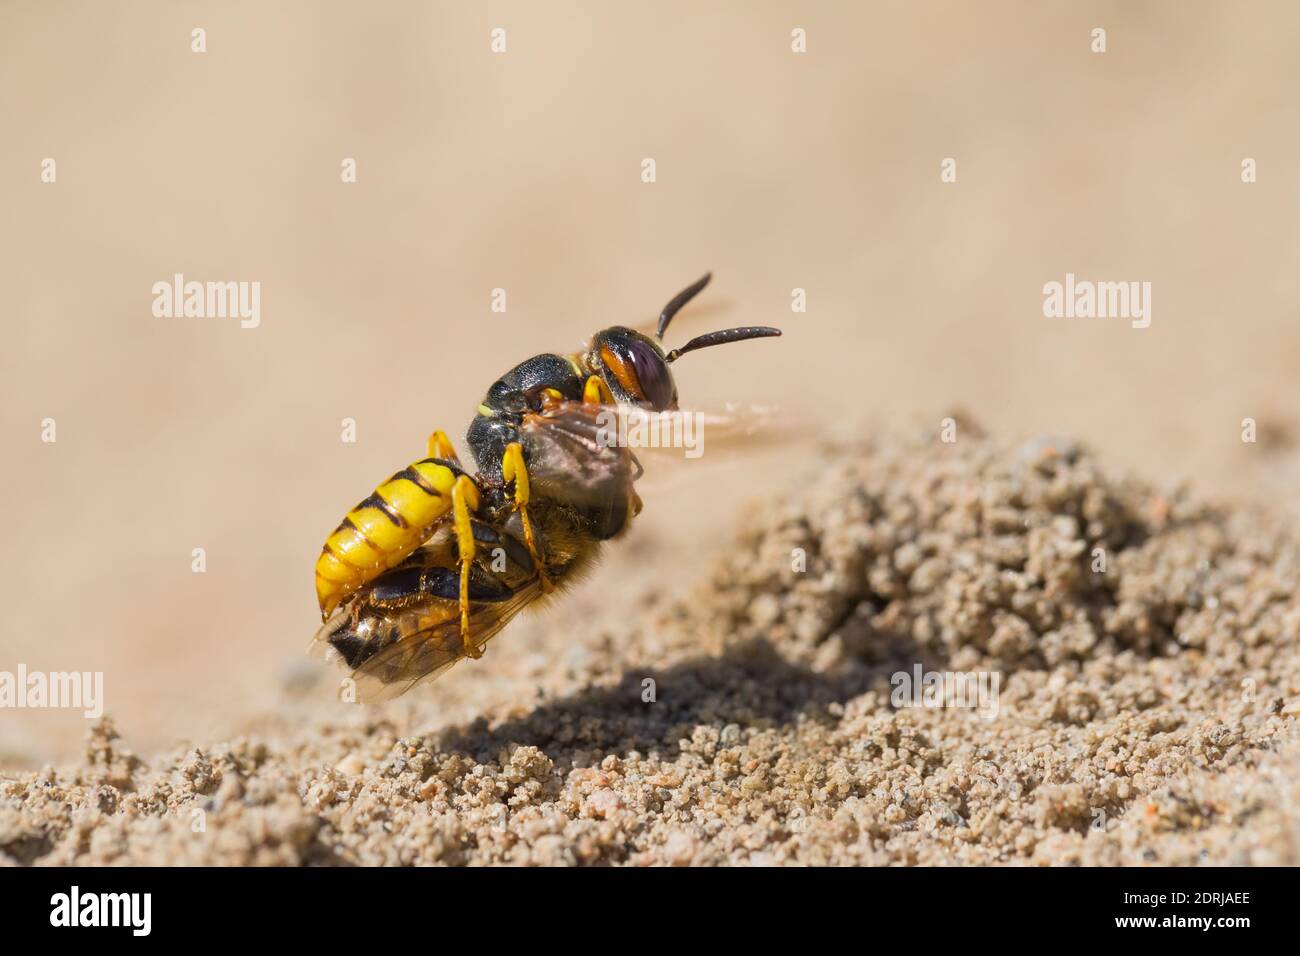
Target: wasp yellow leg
(440,446)
(596,392)
(514,469)
(464,499)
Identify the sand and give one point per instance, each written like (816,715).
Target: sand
(1146,712)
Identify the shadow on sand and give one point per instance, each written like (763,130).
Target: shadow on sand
(750,685)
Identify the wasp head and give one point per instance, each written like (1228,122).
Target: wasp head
(635,367)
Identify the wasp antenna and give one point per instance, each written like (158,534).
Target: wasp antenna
(722,338)
(679,300)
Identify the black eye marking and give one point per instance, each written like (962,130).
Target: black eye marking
(652,374)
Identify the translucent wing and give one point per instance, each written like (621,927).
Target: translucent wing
(593,446)
(404,627)
(574,457)
(691,433)
(394,650)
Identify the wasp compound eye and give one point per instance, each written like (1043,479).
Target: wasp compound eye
(652,374)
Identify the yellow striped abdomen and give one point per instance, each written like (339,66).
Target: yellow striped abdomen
(383,530)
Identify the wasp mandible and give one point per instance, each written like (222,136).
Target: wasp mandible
(430,566)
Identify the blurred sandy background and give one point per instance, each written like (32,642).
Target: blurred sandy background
(522,171)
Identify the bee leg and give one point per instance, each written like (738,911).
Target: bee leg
(464,499)
(596,392)
(551,397)
(514,469)
(440,446)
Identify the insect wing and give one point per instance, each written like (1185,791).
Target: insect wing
(574,457)
(417,643)
(686,433)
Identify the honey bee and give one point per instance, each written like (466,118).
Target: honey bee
(429,567)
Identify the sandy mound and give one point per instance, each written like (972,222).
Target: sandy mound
(1145,711)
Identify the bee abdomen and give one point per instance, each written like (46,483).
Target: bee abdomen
(383,530)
